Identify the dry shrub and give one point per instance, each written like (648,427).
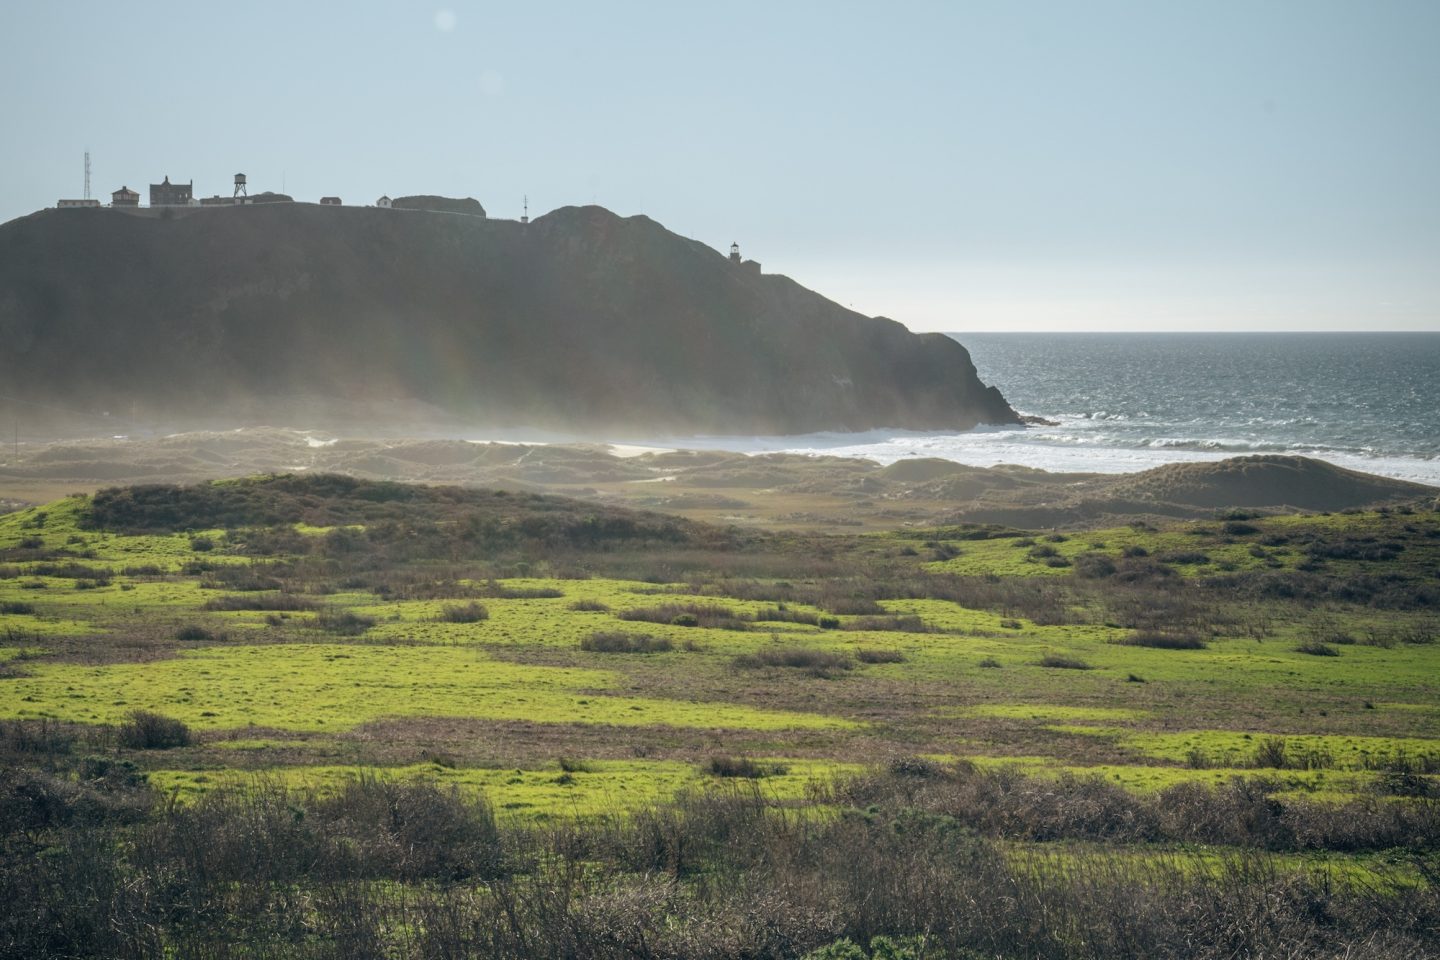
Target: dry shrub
(1163,640)
(743,768)
(143,730)
(472,612)
(259,601)
(1060,662)
(611,641)
(871,655)
(345,623)
(687,615)
(819,663)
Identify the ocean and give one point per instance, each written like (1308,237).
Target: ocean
(1128,402)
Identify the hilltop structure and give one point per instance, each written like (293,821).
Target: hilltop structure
(169,194)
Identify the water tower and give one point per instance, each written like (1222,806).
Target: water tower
(240,190)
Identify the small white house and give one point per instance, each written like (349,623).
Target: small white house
(383,202)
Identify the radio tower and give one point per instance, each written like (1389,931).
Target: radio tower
(87,174)
(525,217)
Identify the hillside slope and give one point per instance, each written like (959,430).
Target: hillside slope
(578,319)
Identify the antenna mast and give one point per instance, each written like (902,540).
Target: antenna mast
(87,174)
(525,217)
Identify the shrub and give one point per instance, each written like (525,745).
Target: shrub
(605,641)
(590,606)
(1059,662)
(1317,649)
(687,615)
(44,737)
(828,623)
(1094,566)
(989,663)
(259,601)
(1135,552)
(1272,753)
(472,612)
(820,663)
(879,656)
(499,591)
(1184,557)
(344,623)
(16,606)
(907,623)
(1163,640)
(191,633)
(143,730)
(743,768)
(781,614)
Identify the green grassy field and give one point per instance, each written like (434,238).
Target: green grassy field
(579,669)
(109,635)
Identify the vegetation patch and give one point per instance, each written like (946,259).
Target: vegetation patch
(1163,640)
(614,641)
(818,663)
(331,687)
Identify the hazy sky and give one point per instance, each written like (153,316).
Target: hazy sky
(957,166)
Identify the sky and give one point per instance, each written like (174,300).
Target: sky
(1021,165)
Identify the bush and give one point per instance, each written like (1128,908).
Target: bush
(604,641)
(16,606)
(1184,557)
(901,624)
(1272,753)
(828,623)
(879,656)
(783,615)
(1163,640)
(1317,649)
(472,612)
(1094,566)
(820,663)
(41,737)
(687,615)
(143,730)
(743,768)
(190,633)
(344,622)
(259,601)
(989,663)
(1058,662)
(590,606)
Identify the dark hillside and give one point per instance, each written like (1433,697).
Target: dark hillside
(337,501)
(578,319)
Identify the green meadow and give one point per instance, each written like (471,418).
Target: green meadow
(563,663)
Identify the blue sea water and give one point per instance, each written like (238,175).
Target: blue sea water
(1126,402)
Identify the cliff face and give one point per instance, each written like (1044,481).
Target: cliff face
(579,319)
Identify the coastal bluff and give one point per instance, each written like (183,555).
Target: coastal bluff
(579,319)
